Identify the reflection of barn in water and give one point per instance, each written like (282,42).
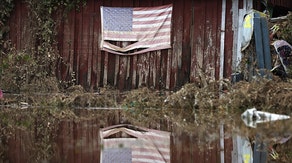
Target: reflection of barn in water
(79,140)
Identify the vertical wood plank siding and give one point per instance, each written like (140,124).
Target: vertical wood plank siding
(195,46)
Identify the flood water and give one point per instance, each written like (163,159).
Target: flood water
(86,135)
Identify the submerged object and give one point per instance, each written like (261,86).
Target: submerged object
(251,117)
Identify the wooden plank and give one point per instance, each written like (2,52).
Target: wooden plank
(64,48)
(177,43)
(128,83)
(211,39)
(229,40)
(122,73)
(157,81)
(105,67)
(71,41)
(90,61)
(198,37)
(152,69)
(111,72)
(135,70)
(84,48)
(78,45)
(193,36)
(163,69)
(144,75)
(60,38)
(184,74)
(168,69)
(107,59)
(116,69)
(95,76)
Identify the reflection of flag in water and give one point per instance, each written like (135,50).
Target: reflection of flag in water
(148,28)
(144,145)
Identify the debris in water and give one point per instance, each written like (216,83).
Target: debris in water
(251,117)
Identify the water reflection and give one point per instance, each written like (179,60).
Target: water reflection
(128,143)
(86,135)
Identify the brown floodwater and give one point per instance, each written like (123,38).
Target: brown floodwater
(104,134)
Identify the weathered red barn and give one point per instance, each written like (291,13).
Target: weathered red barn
(203,40)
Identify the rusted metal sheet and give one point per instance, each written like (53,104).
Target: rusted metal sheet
(195,47)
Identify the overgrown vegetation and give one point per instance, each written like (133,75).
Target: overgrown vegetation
(285,29)
(33,68)
(6,6)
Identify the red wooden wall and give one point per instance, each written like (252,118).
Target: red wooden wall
(196,38)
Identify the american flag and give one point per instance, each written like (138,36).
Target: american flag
(147,28)
(145,145)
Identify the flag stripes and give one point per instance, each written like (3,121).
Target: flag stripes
(147,28)
(146,145)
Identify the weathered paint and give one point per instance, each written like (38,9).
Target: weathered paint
(195,49)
